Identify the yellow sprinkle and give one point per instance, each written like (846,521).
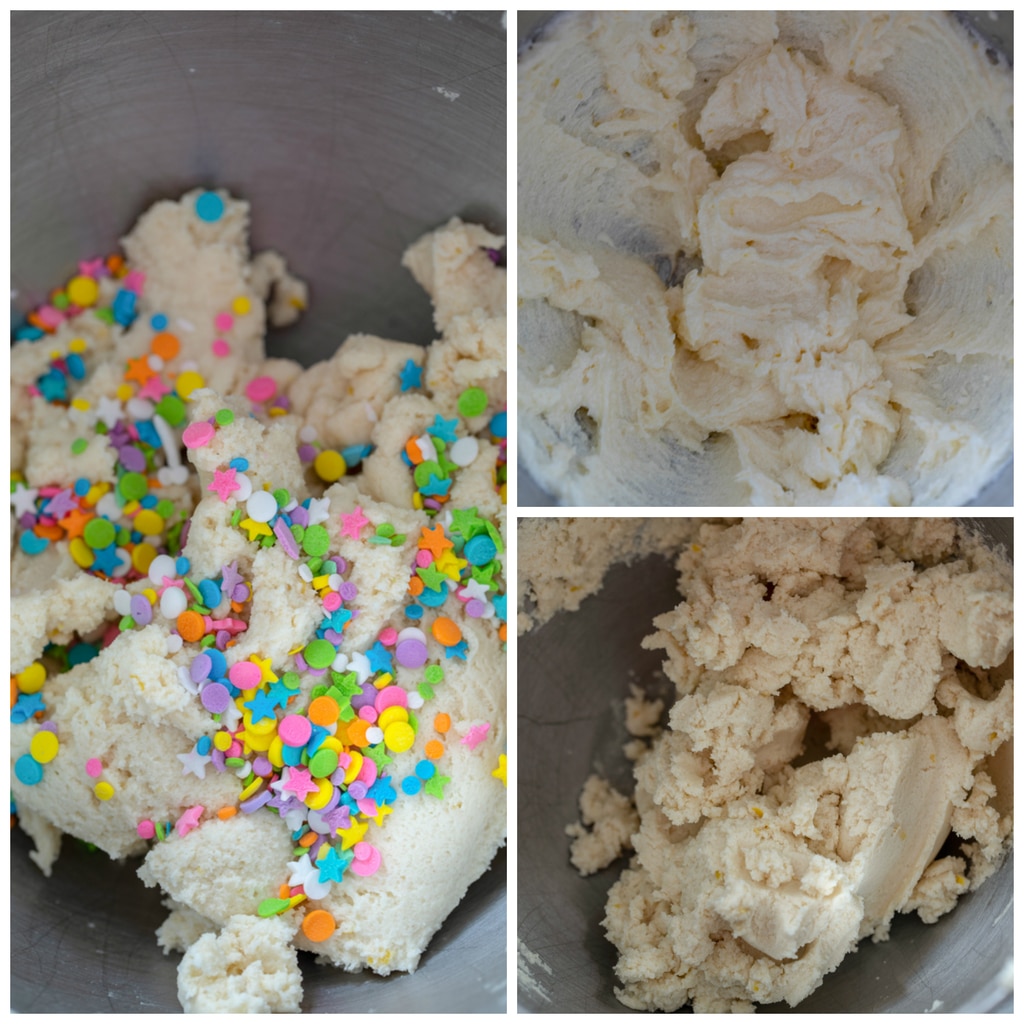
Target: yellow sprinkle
(142,555)
(150,595)
(278,411)
(104,790)
(250,789)
(81,404)
(321,798)
(44,746)
(149,523)
(395,713)
(319,582)
(83,290)
(81,553)
(297,302)
(275,752)
(383,680)
(417,500)
(240,305)
(757,812)
(294,901)
(31,679)
(77,345)
(222,740)
(187,382)
(124,392)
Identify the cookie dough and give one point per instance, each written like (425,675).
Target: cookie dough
(257,610)
(839,751)
(764,259)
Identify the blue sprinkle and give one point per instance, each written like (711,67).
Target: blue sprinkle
(158,322)
(405,458)
(204,744)
(410,785)
(239,464)
(426,770)
(291,755)
(182,566)
(209,207)
(82,487)
(81,653)
(147,433)
(413,611)
(149,501)
(76,365)
(124,307)
(210,593)
(434,598)
(28,770)
(28,333)
(499,424)
(218,663)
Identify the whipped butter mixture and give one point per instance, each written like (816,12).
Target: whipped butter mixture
(764,259)
(839,751)
(257,610)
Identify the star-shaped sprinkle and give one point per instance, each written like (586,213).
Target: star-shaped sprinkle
(450,564)
(154,388)
(484,574)
(332,865)
(318,510)
(23,499)
(444,429)
(473,590)
(353,523)
(382,812)
(435,540)
(466,522)
(106,560)
(195,763)
(109,411)
(261,706)
(301,869)
(435,785)
(501,772)
(224,483)
(476,735)
(501,606)
(431,577)
(74,522)
(353,834)
(91,268)
(378,754)
(266,672)
(60,504)
(411,376)
(189,820)
(230,578)
(279,694)
(139,370)
(254,529)
(457,651)
(26,706)
(434,487)
(300,782)
(380,658)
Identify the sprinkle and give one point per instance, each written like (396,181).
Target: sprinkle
(103,790)
(209,207)
(261,389)
(329,465)
(198,434)
(83,291)
(318,925)
(189,820)
(476,735)
(353,523)
(501,772)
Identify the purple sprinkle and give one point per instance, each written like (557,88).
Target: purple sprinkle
(285,538)
(240,594)
(262,767)
(334,636)
(431,503)
(367,696)
(254,803)
(357,790)
(496,256)
(348,591)
(141,610)
(217,759)
(215,698)
(338,776)
(340,565)
(332,803)
(411,653)
(48,727)
(307,452)
(282,402)
(183,537)
(201,667)
(475,607)
(300,663)
(223,638)
(27,520)
(300,516)
(131,458)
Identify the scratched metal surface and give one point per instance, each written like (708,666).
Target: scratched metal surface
(571,692)
(332,125)
(995,28)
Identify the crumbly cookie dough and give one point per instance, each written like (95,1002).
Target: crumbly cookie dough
(257,612)
(844,708)
(764,259)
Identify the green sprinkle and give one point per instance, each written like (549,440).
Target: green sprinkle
(165,508)
(472,402)
(426,691)
(385,530)
(319,653)
(433,674)
(133,486)
(106,314)
(398,540)
(60,301)
(316,540)
(126,623)
(282,497)
(268,541)
(223,417)
(291,680)
(79,445)
(234,762)
(172,409)
(236,517)
(273,907)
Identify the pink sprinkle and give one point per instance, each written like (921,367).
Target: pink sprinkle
(94,768)
(294,730)
(245,675)
(112,633)
(424,558)
(332,601)
(234,750)
(146,829)
(391,696)
(133,281)
(49,316)
(189,820)
(388,636)
(368,772)
(368,713)
(221,348)
(261,389)
(198,435)
(223,321)
(367,859)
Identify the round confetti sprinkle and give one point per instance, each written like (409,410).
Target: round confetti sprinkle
(399,737)
(99,533)
(83,291)
(94,767)
(329,466)
(221,348)
(197,435)
(172,409)
(246,675)
(224,417)
(261,389)
(31,679)
(44,746)
(480,550)
(442,723)
(148,522)
(215,697)
(240,305)
(319,653)
(28,770)
(472,402)
(141,610)
(103,790)
(324,710)
(142,557)
(411,785)
(464,451)
(316,540)
(165,345)
(133,486)
(294,730)
(190,626)
(323,763)
(223,321)
(187,382)
(146,829)
(318,926)
(411,653)
(209,207)
(446,632)
(173,602)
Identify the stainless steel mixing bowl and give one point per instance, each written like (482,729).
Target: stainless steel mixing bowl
(351,134)
(571,689)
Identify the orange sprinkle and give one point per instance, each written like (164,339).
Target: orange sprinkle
(318,926)
(49,532)
(446,631)
(433,749)
(284,892)
(14,691)
(412,449)
(236,607)
(502,632)
(357,732)
(415,586)
(309,838)
(227,812)
(165,345)
(442,722)
(115,262)
(191,626)
(324,711)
